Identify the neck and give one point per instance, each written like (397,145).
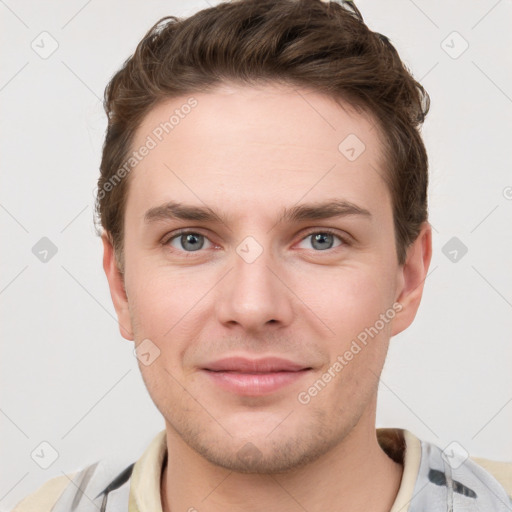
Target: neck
(354,476)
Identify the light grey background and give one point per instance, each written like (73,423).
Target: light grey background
(70,379)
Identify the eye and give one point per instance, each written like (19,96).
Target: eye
(187,241)
(192,241)
(324,239)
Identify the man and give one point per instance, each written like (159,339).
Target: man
(280,140)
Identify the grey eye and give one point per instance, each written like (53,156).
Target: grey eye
(189,241)
(322,240)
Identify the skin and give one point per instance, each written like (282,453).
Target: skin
(247,153)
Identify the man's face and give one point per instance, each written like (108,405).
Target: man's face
(257,284)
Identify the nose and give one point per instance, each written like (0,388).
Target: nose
(255,294)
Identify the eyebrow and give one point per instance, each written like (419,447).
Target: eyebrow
(309,211)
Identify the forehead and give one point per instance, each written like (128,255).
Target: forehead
(271,143)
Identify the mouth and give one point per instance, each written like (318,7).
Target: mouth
(254,377)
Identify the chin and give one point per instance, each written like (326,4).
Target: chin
(263,455)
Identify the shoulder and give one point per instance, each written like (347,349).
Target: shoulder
(108,479)
(45,496)
(461,481)
(501,471)
(451,478)
(67,492)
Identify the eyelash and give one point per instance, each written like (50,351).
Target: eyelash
(176,234)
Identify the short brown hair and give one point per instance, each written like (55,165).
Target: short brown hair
(324,46)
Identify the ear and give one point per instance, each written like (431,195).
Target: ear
(117,289)
(411,278)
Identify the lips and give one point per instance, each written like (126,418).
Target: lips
(254,377)
(264,365)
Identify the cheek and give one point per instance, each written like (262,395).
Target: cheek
(350,298)
(161,306)
(352,306)
(161,297)
(170,306)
